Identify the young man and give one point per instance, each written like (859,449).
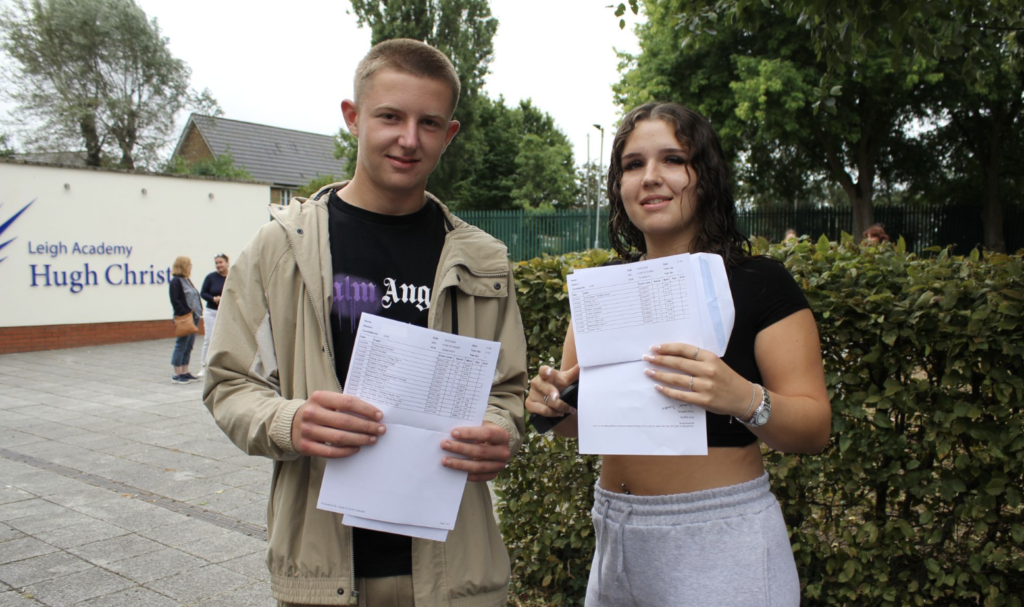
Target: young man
(286,326)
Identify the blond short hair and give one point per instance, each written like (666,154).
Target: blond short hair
(182,266)
(411,57)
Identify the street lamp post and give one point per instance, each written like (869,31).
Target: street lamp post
(588,189)
(597,199)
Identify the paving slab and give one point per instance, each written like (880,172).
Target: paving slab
(41,568)
(117,488)
(116,549)
(22,548)
(252,595)
(196,586)
(157,565)
(136,596)
(14,598)
(77,587)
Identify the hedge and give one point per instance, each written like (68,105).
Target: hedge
(917,498)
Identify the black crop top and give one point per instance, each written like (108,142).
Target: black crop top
(763,293)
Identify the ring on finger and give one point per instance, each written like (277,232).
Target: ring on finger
(695,353)
(691,383)
(546,398)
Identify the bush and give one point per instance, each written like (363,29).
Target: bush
(546,493)
(314,185)
(210,166)
(917,498)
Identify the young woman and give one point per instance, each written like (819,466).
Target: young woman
(687,530)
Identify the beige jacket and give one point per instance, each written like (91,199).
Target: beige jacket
(273,348)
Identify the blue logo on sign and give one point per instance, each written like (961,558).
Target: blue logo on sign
(7,224)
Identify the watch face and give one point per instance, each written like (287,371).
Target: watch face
(762,416)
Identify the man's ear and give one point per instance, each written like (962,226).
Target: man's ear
(349,111)
(453,127)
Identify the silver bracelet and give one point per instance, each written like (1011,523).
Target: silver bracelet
(753,397)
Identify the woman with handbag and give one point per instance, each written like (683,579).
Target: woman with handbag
(188,309)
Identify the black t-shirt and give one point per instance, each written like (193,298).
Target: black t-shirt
(763,293)
(384,265)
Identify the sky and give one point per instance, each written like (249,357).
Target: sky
(290,64)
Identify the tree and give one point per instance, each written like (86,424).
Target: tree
(210,166)
(315,184)
(95,74)
(756,81)
(589,185)
(525,161)
(975,43)
(6,151)
(978,140)
(544,169)
(346,147)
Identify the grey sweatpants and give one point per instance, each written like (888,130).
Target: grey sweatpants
(726,546)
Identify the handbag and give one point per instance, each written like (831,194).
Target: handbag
(184,325)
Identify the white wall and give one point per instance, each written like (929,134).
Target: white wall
(143,222)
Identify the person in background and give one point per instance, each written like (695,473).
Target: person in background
(790,235)
(875,235)
(184,299)
(687,530)
(213,286)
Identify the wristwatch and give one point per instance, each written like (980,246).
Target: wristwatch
(763,411)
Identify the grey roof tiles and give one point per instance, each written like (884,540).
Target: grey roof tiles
(271,154)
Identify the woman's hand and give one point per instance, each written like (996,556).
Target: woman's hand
(695,376)
(545,389)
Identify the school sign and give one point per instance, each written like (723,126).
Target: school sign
(81,246)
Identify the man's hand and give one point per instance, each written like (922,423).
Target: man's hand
(330,424)
(486,448)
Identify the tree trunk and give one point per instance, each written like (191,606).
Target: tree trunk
(127,160)
(863,214)
(861,192)
(93,146)
(992,206)
(992,218)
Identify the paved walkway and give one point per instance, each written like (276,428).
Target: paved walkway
(117,488)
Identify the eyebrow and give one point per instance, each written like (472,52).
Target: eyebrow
(661,151)
(390,108)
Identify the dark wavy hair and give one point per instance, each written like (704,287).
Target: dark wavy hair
(715,212)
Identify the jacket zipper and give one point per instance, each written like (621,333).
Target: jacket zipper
(353,593)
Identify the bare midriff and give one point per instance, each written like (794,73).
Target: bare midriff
(668,475)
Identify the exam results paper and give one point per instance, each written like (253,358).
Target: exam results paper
(618,313)
(426,383)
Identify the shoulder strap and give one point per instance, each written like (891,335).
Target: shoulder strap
(453,293)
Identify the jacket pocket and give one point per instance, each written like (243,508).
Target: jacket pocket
(476,561)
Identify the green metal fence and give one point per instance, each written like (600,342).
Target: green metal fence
(529,235)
